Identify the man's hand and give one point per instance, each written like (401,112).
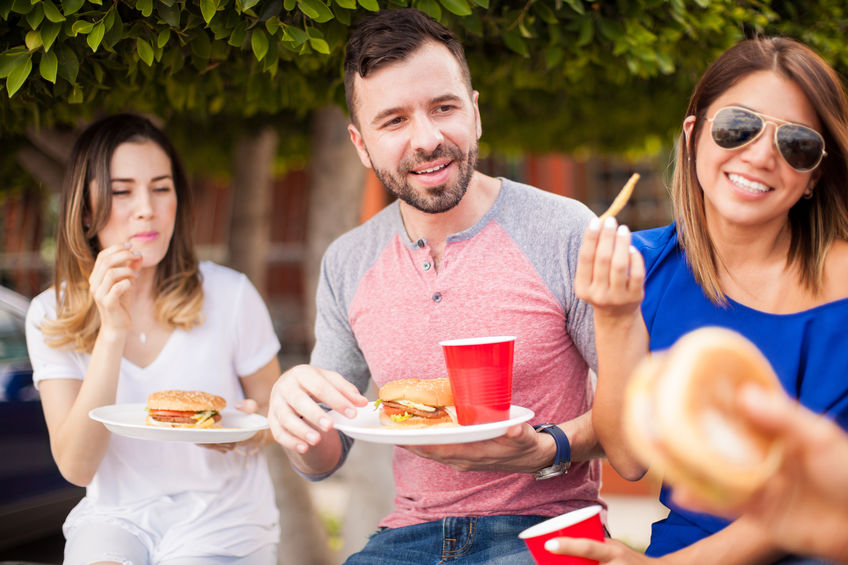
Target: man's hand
(297,422)
(520,450)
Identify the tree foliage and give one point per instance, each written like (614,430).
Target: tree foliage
(561,75)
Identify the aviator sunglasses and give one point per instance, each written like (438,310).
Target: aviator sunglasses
(801,147)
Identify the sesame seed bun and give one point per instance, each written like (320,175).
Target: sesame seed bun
(433,392)
(185,400)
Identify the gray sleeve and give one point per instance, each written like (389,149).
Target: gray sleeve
(549,228)
(336,348)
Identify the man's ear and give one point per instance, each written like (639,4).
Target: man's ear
(474,99)
(356,139)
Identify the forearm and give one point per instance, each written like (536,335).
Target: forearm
(582,438)
(79,443)
(621,344)
(320,459)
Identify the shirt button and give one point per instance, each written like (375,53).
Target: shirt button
(427,265)
(420,243)
(437,297)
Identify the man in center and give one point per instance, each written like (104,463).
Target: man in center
(458,254)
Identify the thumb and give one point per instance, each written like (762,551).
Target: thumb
(248,405)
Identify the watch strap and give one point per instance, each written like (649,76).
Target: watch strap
(562,458)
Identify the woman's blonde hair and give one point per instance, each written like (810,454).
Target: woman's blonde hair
(85,209)
(814,223)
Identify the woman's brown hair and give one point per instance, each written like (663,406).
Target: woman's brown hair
(84,210)
(814,223)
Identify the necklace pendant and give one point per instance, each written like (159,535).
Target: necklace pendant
(142,337)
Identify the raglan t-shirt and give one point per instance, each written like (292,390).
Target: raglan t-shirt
(232,507)
(383,308)
(806,349)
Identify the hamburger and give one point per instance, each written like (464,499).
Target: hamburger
(681,416)
(184,409)
(417,403)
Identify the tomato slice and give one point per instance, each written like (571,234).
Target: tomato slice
(175,413)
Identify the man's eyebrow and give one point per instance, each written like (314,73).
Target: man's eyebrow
(397,109)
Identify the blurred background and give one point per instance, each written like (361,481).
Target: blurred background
(574,96)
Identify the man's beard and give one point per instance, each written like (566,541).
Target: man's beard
(436,199)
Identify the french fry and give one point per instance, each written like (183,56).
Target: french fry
(622,198)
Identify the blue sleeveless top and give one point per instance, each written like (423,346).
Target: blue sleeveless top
(808,350)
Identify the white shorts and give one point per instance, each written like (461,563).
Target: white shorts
(96,542)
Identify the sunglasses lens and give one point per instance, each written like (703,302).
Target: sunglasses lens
(800,146)
(734,127)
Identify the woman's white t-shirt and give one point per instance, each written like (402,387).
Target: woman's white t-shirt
(231,496)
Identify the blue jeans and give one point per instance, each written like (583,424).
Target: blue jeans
(475,540)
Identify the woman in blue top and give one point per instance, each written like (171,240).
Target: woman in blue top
(759,245)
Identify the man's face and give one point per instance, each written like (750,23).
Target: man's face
(418,128)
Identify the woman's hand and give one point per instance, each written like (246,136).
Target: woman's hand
(609,552)
(610,272)
(252,445)
(110,282)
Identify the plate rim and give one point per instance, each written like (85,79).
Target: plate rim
(387,434)
(203,435)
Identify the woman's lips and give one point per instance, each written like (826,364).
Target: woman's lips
(146,236)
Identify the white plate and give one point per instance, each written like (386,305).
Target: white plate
(366,426)
(128,420)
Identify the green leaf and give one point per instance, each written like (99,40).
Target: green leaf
(96,36)
(33,40)
(319,45)
(9,61)
(145,7)
(259,43)
(22,6)
(458,7)
(316,10)
(81,26)
(295,35)
(208,9)
(239,34)
(170,15)
(5,9)
(48,66)
(71,6)
(270,10)
(69,64)
(76,95)
(431,8)
(163,37)
(514,41)
(544,11)
(201,45)
(576,5)
(18,76)
(145,51)
(370,5)
(587,32)
(347,4)
(248,4)
(35,16)
(51,12)
(289,5)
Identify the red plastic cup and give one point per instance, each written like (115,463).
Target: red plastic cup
(582,523)
(480,373)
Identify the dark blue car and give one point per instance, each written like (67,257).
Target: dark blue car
(34,498)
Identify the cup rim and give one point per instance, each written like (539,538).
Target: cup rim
(477,340)
(562,521)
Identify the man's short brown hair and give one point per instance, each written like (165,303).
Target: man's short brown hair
(392,35)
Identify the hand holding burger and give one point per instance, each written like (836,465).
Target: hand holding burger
(417,403)
(682,416)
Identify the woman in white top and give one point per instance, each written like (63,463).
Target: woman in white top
(132,312)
